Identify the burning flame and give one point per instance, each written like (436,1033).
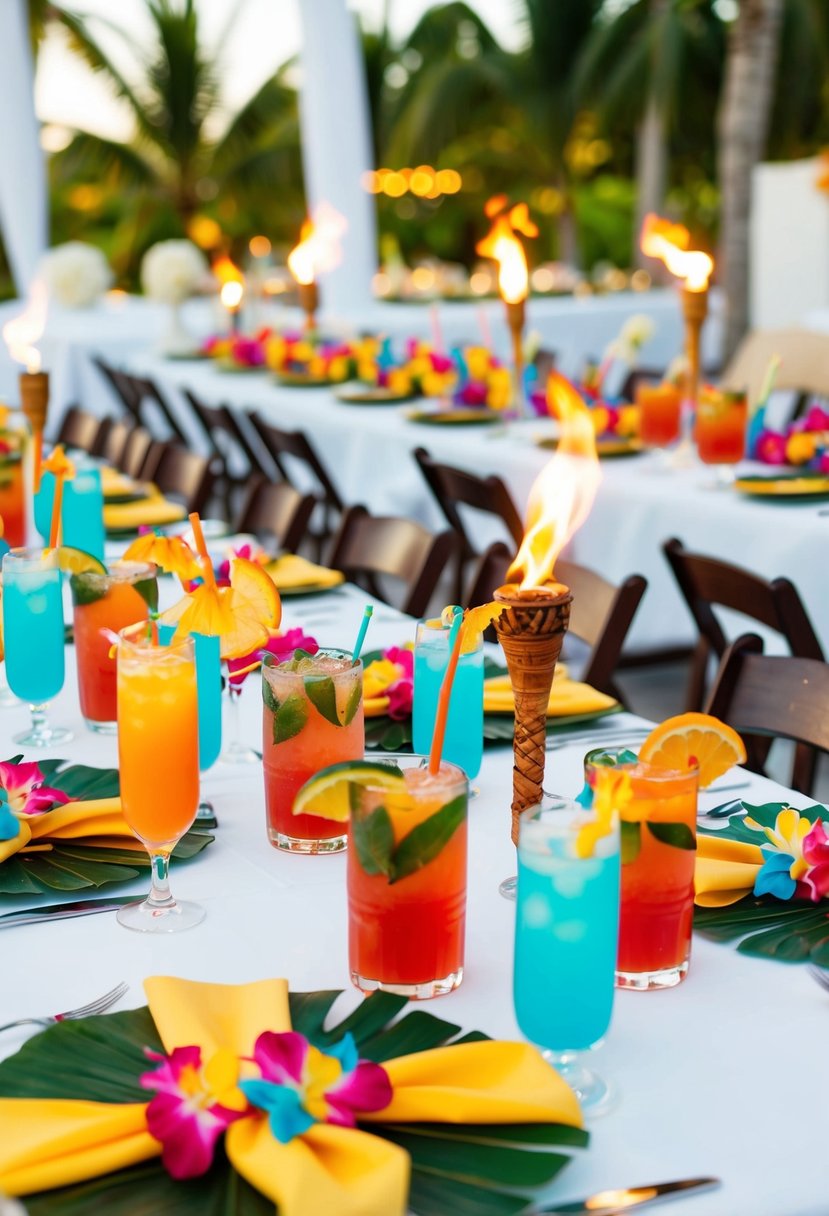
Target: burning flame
(226,270)
(669,242)
(319,245)
(24,330)
(501,243)
(563,493)
(231,294)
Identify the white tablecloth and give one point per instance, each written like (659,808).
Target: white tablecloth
(642,501)
(724,1075)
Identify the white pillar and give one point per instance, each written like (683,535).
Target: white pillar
(23,196)
(336,144)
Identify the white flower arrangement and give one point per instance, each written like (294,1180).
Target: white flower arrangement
(172,270)
(75,274)
(633,335)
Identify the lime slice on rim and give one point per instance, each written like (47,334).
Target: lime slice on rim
(77,561)
(327,793)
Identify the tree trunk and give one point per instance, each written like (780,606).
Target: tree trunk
(651,170)
(742,129)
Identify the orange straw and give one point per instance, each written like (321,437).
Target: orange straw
(455,639)
(56,508)
(198,536)
(38,459)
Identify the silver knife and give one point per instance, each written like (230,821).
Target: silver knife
(616,1203)
(87,907)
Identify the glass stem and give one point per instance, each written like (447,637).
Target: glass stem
(39,726)
(160,895)
(234,694)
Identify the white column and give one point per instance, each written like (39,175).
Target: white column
(23,196)
(336,144)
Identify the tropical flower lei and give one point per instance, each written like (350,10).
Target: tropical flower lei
(23,794)
(795,857)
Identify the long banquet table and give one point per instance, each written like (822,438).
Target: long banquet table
(725,1075)
(642,500)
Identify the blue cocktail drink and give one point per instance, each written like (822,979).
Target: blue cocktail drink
(464,741)
(209,690)
(82,510)
(33,636)
(566,935)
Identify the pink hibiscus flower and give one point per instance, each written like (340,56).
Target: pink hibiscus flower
(25,793)
(281,646)
(816,853)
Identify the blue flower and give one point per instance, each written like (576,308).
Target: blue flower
(774,878)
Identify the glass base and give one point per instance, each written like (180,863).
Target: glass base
(101,728)
(44,736)
(300,844)
(238,753)
(172,917)
(595,1095)
(415,992)
(644,981)
(509,888)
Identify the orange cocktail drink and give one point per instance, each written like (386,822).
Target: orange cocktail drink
(720,429)
(407,883)
(158,758)
(660,413)
(122,596)
(312,717)
(658,811)
(12,497)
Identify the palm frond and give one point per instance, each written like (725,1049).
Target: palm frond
(270,106)
(92,158)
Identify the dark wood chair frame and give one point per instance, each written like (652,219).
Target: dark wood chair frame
(180,474)
(225,435)
(276,509)
(79,429)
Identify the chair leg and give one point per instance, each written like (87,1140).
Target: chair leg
(695,696)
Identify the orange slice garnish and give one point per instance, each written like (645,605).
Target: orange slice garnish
(691,738)
(242,615)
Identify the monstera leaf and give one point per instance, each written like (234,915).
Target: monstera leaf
(464,1168)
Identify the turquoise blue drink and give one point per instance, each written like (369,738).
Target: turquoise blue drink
(464,742)
(82,510)
(33,636)
(566,934)
(209,691)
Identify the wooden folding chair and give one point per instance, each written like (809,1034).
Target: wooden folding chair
(233,454)
(774,696)
(135,458)
(78,429)
(112,440)
(277,510)
(707,582)
(368,547)
(151,406)
(180,474)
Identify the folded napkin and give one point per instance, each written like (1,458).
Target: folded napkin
(98,822)
(150,512)
(292,571)
(324,1169)
(566,697)
(725,870)
(113,481)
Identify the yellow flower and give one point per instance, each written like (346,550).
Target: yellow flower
(338,368)
(612,794)
(499,392)
(399,380)
(433,384)
(275,351)
(628,424)
(379,676)
(367,371)
(800,447)
(600,417)
(786,836)
(477,361)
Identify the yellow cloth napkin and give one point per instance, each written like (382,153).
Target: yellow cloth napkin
(113,481)
(327,1169)
(566,697)
(151,512)
(725,870)
(99,822)
(291,571)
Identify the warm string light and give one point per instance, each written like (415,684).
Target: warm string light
(423,182)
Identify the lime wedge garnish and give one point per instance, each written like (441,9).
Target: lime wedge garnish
(327,792)
(77,561)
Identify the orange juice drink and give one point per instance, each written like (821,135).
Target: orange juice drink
(660,413)
(720,429)
(407,883)
(312,717)
(158,739)
(112,601)
(658,811)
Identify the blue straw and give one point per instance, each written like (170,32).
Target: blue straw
(361,636)
(457,621)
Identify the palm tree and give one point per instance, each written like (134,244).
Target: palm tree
(175,166)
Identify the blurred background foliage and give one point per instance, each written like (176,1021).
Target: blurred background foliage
(610,108)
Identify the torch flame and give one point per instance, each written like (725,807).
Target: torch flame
(24,330)
(226,271)
(502,245)
(563,493)
(231,294)
(319,245)
(669,242)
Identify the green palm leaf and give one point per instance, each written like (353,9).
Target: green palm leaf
(472,1169)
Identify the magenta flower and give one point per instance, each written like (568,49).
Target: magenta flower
(823,462)
(23,791)
(301,1086)
(816,854)
(440,363)
(281,646)
(249,352)
(817,419)
(771,447)
(193,1106)
(473,393)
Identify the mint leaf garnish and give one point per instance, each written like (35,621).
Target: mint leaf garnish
(373,837)
(423,843)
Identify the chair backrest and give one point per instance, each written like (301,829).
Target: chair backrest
(122,386)
(454,487)
(601,616)
(804,362)
(134,458)
(296,444)
(149,401)
(774,696)
(488,573)
(183,475)
(368,545)
(78,429)
(112,440)
(226,436)
(275,509)
(707,582)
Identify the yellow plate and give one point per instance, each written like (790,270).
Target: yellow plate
(298,380)
(605,448)
(454,417)
(783,487)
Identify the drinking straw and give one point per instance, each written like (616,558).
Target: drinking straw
(368,612)
(198,536)
(483,325)
(455,638)
(768,380)
(437,333)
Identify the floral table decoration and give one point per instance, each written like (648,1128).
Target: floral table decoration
(238,1097)
(804,444)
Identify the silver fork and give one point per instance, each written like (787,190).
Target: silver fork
(820,975)
(98,1006)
